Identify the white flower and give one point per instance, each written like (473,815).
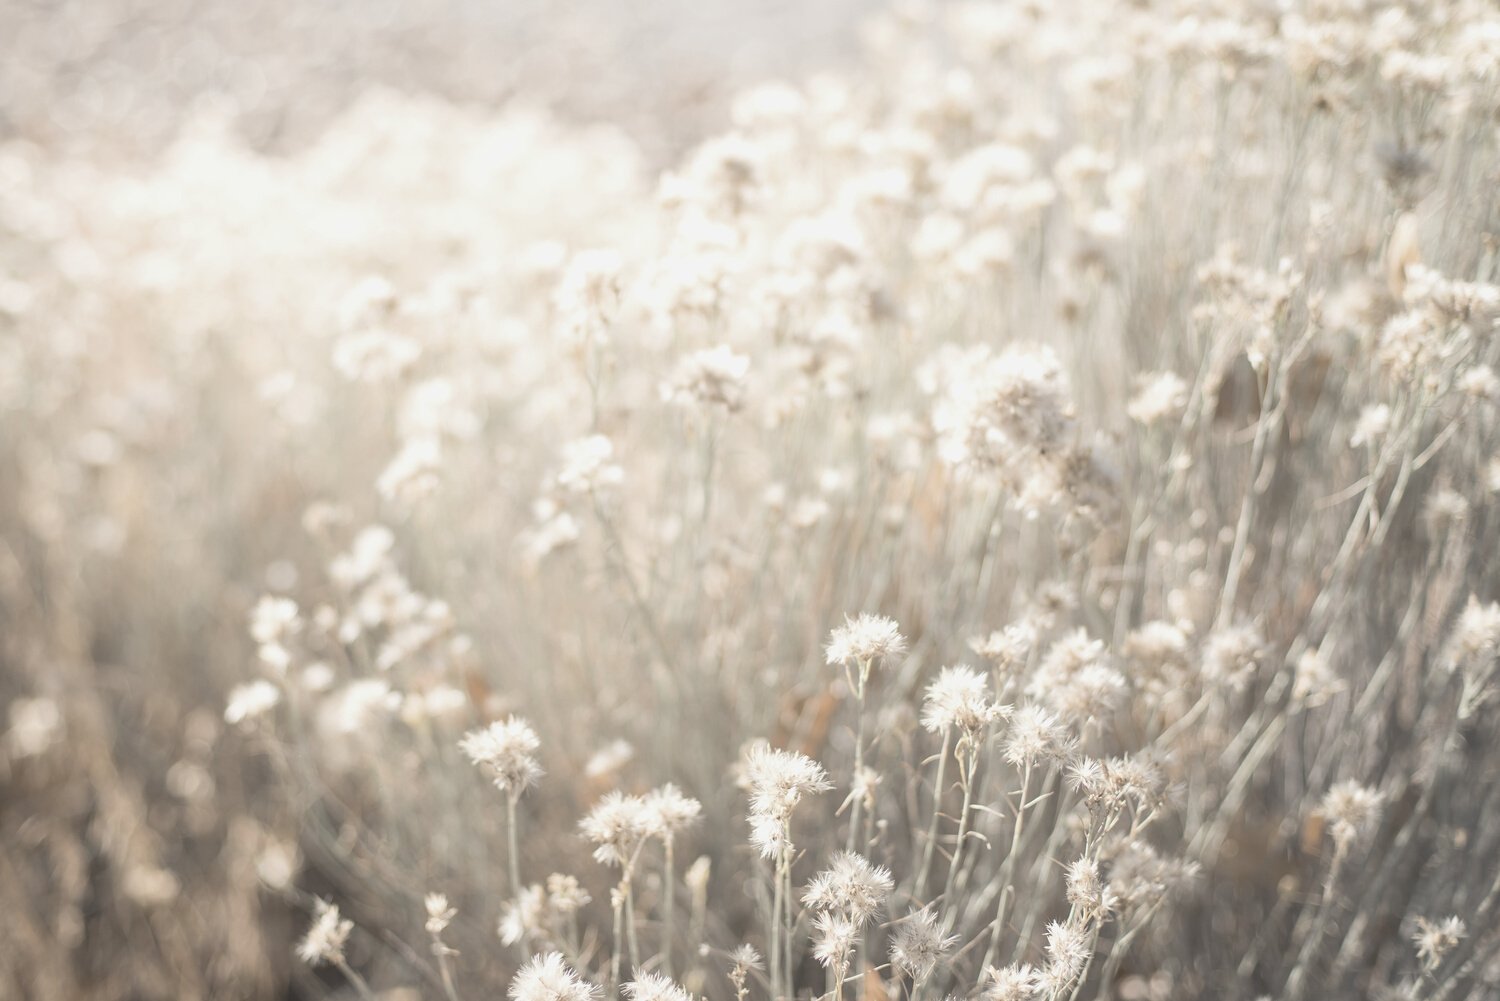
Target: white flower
(777,781)
(715,376)
(549,978)
(324,941)
(524,916)
(918,944)
(1315,682)
(565,895)
(1013,983)
(507,751)
(960,696)
(273,618)
(1087,890)
(1067,948)
(1034,736)
(1373,424)
(586,465)
(617,825)
(439,914)
(1163,396)
(655,987)
(865,640)
(834,938)
(1435,939)
(669,811)
(850,886)
(1353,810)
(246,702)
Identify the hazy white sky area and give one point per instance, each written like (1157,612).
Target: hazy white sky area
(119,73)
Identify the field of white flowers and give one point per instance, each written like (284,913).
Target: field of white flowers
(1012,518)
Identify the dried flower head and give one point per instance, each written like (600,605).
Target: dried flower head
(618,825)
(588,466)
(525,917)
(324,941)
(1087,890)
(1013,983)
(918,944)
(1034,737)
(864,641)
(1067,949)
(777,781)
(851,887)
(715,377)
(1435,939)
(1007,648)
(439,914)
(565,894)
(1353,810)
(549,978)
(960,696)
(655,987)
(1315,681)
(506,750)
(669,811)
(248,702)
(1162,397)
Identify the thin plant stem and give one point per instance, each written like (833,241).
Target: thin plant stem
(512,840)
(859,755)
(361,987)
(920,886)
(966,778)
(669,905)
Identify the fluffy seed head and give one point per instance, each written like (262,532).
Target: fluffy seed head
(1354,812)
(669,811)
(1435,939)
(1013,983)
(617,825)
(1036,736)
(549,978)
(439,914)
(851,887)
(919,944)
(524,917)
(960,696)
(505,749)
(866,640)
(834,938)
(324,941)
(655,987)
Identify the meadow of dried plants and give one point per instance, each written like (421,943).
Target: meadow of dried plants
(1009,517)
